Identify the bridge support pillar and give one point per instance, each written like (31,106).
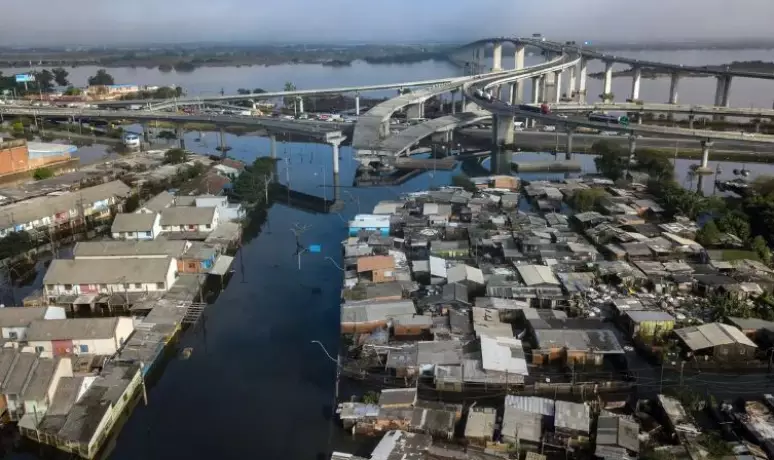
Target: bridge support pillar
(705,148)
(518,57)
(335,145)
(273,146)
(300,105)
(414,111)
(497,57)
(180,133)
(691,119)
(607,90)
(536,83)
(357,104)
(584,73)
(632,148)
(558,86)
(673,85)
(146,133)
(223,147)
(568,152)
(453,102)
(636,79)
(513,88)
(722,91)
(573,83)
(502,130)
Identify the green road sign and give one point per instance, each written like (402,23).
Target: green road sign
(623,121)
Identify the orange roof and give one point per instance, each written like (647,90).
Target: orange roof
(370,263)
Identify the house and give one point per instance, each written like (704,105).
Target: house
(76,336)
(367,316)
(503,354)
(378,269)
(480,425)
(397,397)
(572,419)
(537,275)
(211,182)
(15,321)
(68,208)
(142,226)
(158,203)
(370,222)
(41,386)
(107,276)
(648,323)
(144,249)
(720,341)
(189,219)
(450,249)
(412,325)
(17,366)
(83,428)
(199,258)
(230,167)
(226,211)
(524,418)
(465,274)
(617,437)
(574,340)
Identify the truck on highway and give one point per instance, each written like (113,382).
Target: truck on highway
(622,120)
(542,108)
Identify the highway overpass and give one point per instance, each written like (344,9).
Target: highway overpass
(749,112)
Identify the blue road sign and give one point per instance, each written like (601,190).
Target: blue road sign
(315,248)
(24,78)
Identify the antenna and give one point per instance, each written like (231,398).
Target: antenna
(298,230)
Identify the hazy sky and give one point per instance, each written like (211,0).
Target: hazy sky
(141,21)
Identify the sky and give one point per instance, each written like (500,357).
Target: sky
(109,22)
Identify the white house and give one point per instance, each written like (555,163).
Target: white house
(107,276)
(77,336)
(226,211)
(189,219)
(41,387)
(14,321)
(136,226)
(144,249)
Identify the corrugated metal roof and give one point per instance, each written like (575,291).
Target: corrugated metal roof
(503,354)
(712,335)
(481,422)
(530,404)
(369,263)
(573,416)
(108,271)
(366,311)
(537,274)
(640,316)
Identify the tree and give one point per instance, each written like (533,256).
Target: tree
(243,91)
(371,397)
(587,200)
(609,162)
(43,173)
(735,223)
(760,247)
(259,91)
(60,76)
(17,127)
(71,91)
(290,100)
(102,77)
(175,156)
(763,185)
(44,80)
(708,234)
(461,180)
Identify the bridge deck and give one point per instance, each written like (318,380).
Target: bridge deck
(398,144)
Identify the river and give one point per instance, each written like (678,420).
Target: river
(209,81)
(255,387)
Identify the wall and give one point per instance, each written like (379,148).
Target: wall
(361,328)
(20,331)
(14,157)
(64,369)
(35,163)
(53,290)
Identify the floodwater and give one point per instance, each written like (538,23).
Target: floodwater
(255,386)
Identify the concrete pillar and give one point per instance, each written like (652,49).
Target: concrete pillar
(608,83)
(145,133)
(636,78)
(357,104)
(273,146)
(453,102)
(535,90)
(675,81)
(571,90)
(497,57)
(335,146)
(300,104)
(705,148)
(726,91)
(568,152)
(502,130)
(691,119)
(180,133)
(584,72)
(632,148)
(558,87)
(720,86)
(513,93)
(544,87)
(414,111)
(518,57)
(223,148)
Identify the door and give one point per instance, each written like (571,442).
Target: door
(62,347)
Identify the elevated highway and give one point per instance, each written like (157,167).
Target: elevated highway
(401,143)
(688,109)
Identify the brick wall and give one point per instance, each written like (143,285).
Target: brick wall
(14,157)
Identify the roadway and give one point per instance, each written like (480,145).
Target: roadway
(664,108)
(310,128)
(591,54)
(582,141)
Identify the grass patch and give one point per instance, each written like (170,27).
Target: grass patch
(739,254)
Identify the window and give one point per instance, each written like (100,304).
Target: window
(13,335)
(38,349)
(121,234)
(147,233)
(137,285)
(126,285)
(68,287)
(103,287)
(160,286)
(208,226)
(84,348)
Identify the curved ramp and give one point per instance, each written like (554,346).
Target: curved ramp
(400,143)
